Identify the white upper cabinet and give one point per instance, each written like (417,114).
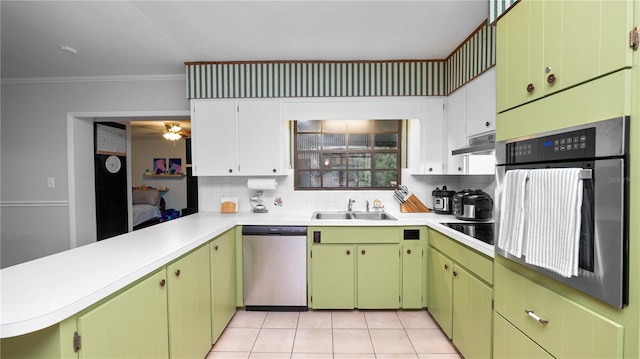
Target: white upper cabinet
(213,139)
(470,111)
(260,138)
(481,104)
(456,115)
(237,138)
(432,139)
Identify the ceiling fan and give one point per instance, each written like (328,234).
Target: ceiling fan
(142,129)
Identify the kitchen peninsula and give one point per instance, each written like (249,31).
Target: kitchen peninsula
(42,299)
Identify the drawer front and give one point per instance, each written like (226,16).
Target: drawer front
(355,235)
(572,331)
(479,264)
(509,342)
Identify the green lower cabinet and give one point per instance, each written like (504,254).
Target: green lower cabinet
(571,330)
(350,276)
(190,305)
(131,325)
(440,290)
(166,315)
(412,276)
(378,267)
(333,276)
(509,342)
(471,314)
(461,303)
(223,282)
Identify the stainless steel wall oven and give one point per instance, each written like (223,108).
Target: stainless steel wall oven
(600,148)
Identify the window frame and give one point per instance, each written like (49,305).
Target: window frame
(398,131)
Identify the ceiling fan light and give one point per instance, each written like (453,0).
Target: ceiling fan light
(172,136)
(172,131)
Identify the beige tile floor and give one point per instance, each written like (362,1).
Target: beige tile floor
(333,335)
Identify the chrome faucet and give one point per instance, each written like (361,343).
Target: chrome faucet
(350,205)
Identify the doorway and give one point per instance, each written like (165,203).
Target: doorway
(81,178)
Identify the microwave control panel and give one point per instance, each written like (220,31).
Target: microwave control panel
(561,146)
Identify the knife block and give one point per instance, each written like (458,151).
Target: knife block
(413,205)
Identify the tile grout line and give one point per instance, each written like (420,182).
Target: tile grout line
(295,335)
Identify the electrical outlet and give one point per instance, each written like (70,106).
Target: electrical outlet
(51,182)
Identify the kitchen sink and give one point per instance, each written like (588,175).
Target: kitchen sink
(376,216)
(331,215)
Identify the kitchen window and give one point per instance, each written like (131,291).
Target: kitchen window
(353,154)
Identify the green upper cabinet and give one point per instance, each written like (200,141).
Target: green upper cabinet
(223,282)
(133,324)
(545,47)
(378,276)
(333,276)
(190,305)
(519,55)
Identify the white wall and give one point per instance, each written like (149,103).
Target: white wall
(143,151)
(33,147)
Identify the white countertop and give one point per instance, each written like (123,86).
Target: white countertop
(45,291)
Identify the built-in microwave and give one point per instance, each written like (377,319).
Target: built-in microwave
(601,150)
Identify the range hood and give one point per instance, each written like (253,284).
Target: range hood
(479,145)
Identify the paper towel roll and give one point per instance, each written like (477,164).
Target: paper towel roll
(262,183)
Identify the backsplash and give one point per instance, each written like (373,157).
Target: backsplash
(212,189)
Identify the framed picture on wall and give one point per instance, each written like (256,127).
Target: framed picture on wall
(159,165)
(175,166)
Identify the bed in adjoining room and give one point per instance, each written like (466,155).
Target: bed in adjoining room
(147,207)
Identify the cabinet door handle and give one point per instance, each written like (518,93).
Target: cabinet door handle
(215,248)
(536,317)
(455,274)
(348,253)
(530,88)
(408,251)
(487,124)
(551,78)
(274,170)
(230,170)
(163,282)
(363,252)
(177,272)
(446,266)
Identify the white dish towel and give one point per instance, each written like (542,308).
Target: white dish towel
(552,233)
(512,212)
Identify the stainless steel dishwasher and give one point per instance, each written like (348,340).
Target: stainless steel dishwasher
(274,262)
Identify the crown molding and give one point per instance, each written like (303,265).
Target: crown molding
(79,79)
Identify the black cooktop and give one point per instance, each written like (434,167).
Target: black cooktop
(479,231)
